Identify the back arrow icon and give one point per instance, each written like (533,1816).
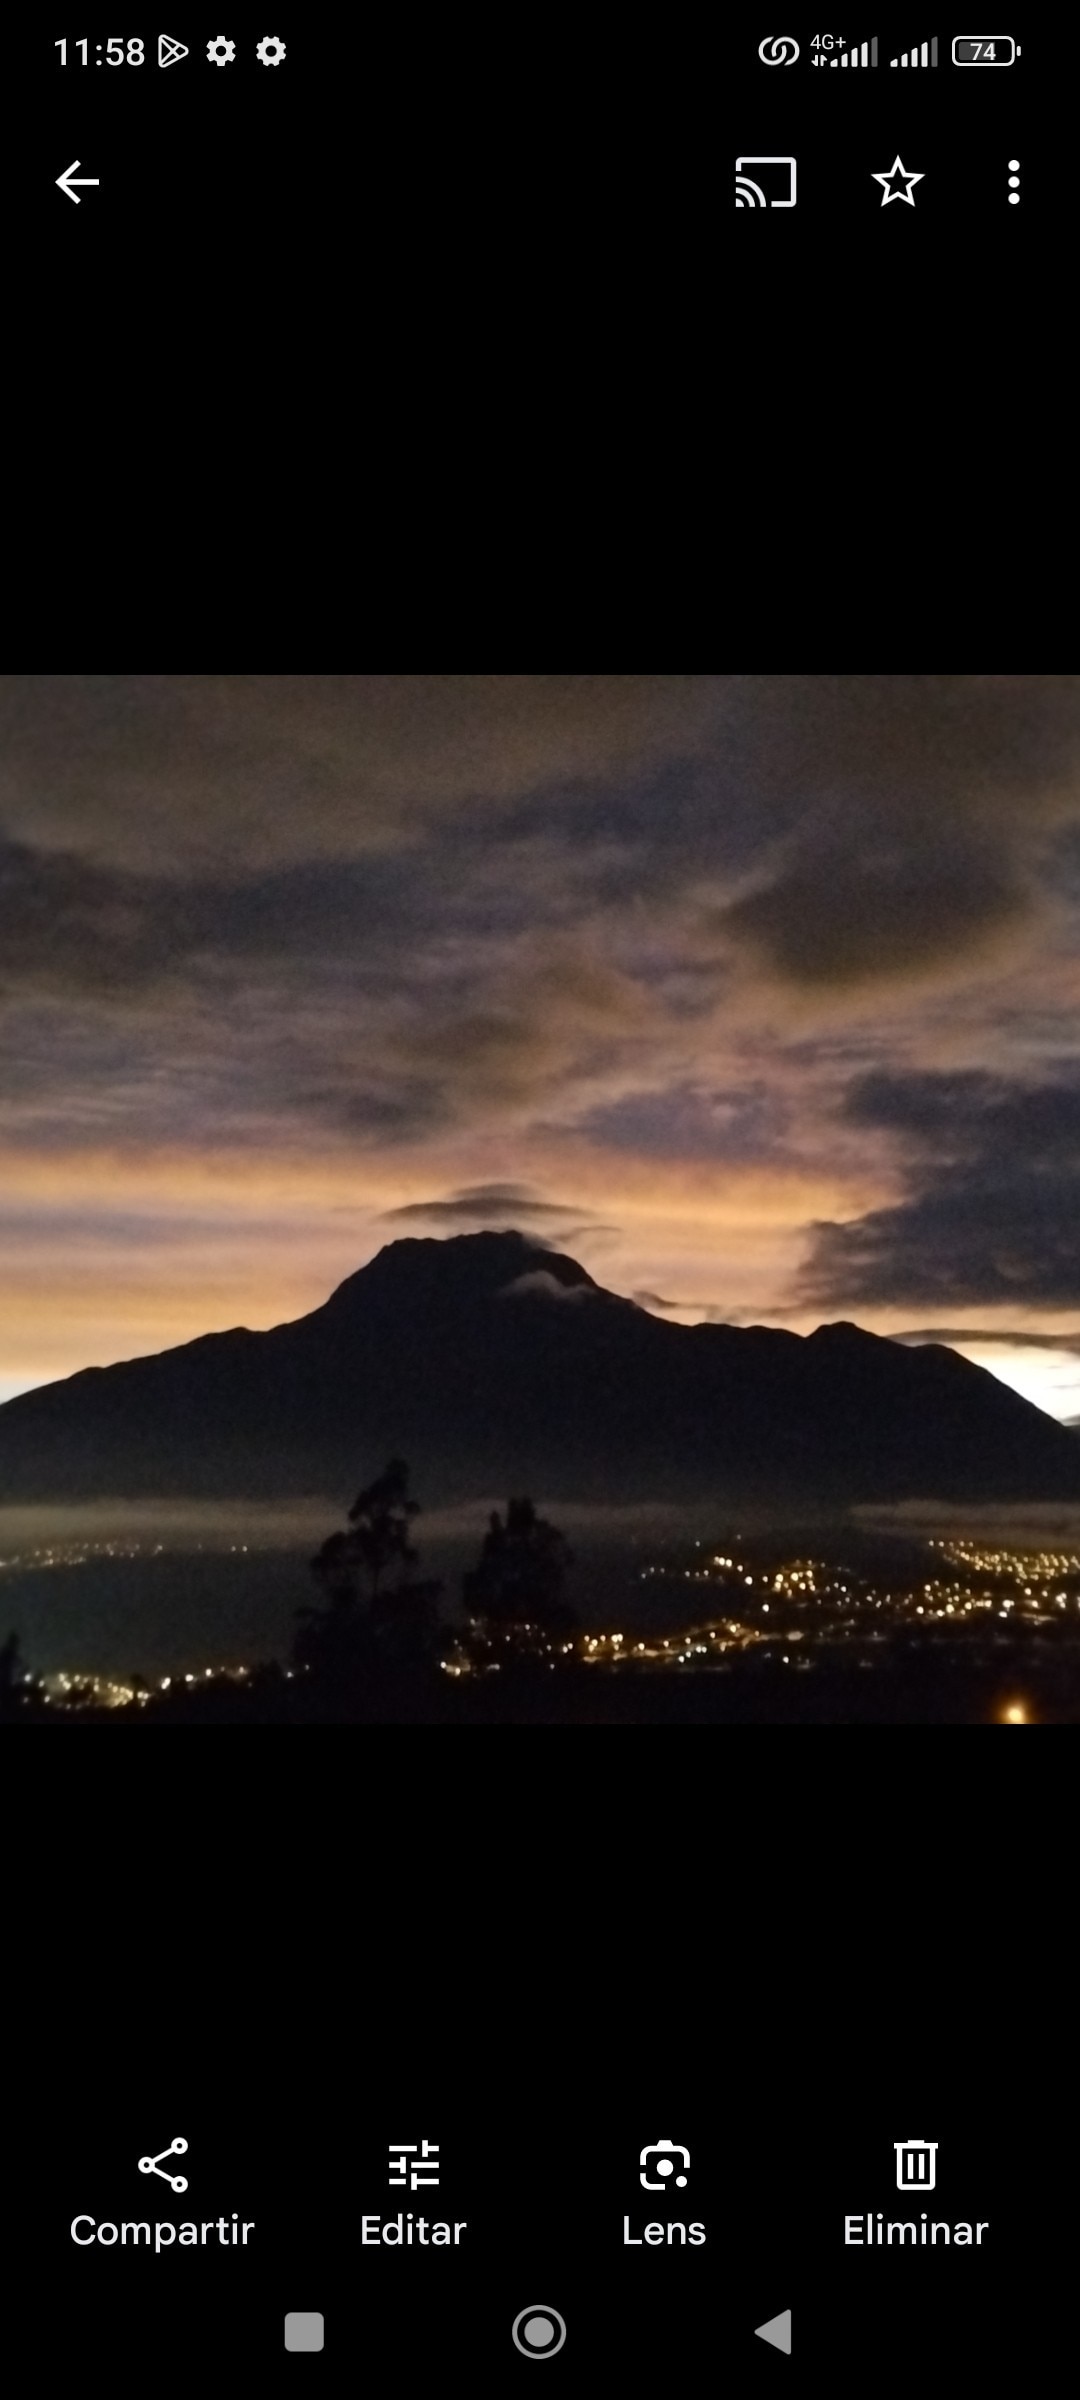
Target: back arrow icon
(69,177)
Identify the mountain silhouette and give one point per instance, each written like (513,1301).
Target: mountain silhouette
(494,1365)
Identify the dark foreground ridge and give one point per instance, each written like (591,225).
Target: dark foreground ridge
(495,1365)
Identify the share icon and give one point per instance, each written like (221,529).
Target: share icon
(149,2166)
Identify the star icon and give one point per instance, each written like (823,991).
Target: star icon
(896,185)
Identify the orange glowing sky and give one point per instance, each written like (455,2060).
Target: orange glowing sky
(757,994)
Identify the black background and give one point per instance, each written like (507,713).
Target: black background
(545,145)
(542,1956)
(449,334)
(957,126)
(782,2146)
(442,345)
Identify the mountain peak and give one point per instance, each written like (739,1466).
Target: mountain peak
(470,1265)
(843,1330)
(460,1355)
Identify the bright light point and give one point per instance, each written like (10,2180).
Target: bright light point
(1015,1714)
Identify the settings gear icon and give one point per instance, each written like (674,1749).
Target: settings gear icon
(270,51)
(221,52)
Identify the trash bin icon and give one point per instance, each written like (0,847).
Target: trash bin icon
(915,2166)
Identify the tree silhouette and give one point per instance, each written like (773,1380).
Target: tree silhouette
(21,1694)
(519,1580)
(380,1519)
(375,1616)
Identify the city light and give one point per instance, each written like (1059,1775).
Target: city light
(956,1608)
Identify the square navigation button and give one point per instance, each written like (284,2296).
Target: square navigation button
(303,2332)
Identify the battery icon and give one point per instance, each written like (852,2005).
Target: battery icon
(984,50)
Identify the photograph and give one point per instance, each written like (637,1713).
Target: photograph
(539,1199)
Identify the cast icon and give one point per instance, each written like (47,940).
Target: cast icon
(771,191)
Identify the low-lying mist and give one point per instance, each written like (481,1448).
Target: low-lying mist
(160,1587)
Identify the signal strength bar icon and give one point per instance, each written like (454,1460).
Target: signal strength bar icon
(864,55)
(924,55)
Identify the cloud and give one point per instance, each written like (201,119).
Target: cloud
(400,938)
(369,1003)
(705,1312)
(1025,1525)
(485,1205)
(842,911)
(69,927)
(548,1287)
(740,1120)
(992,1204)
(1007,1340)
(907,852)
(192,771)
(200,773)
(382,909)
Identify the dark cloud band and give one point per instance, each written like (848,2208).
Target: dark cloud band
(992,1211)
